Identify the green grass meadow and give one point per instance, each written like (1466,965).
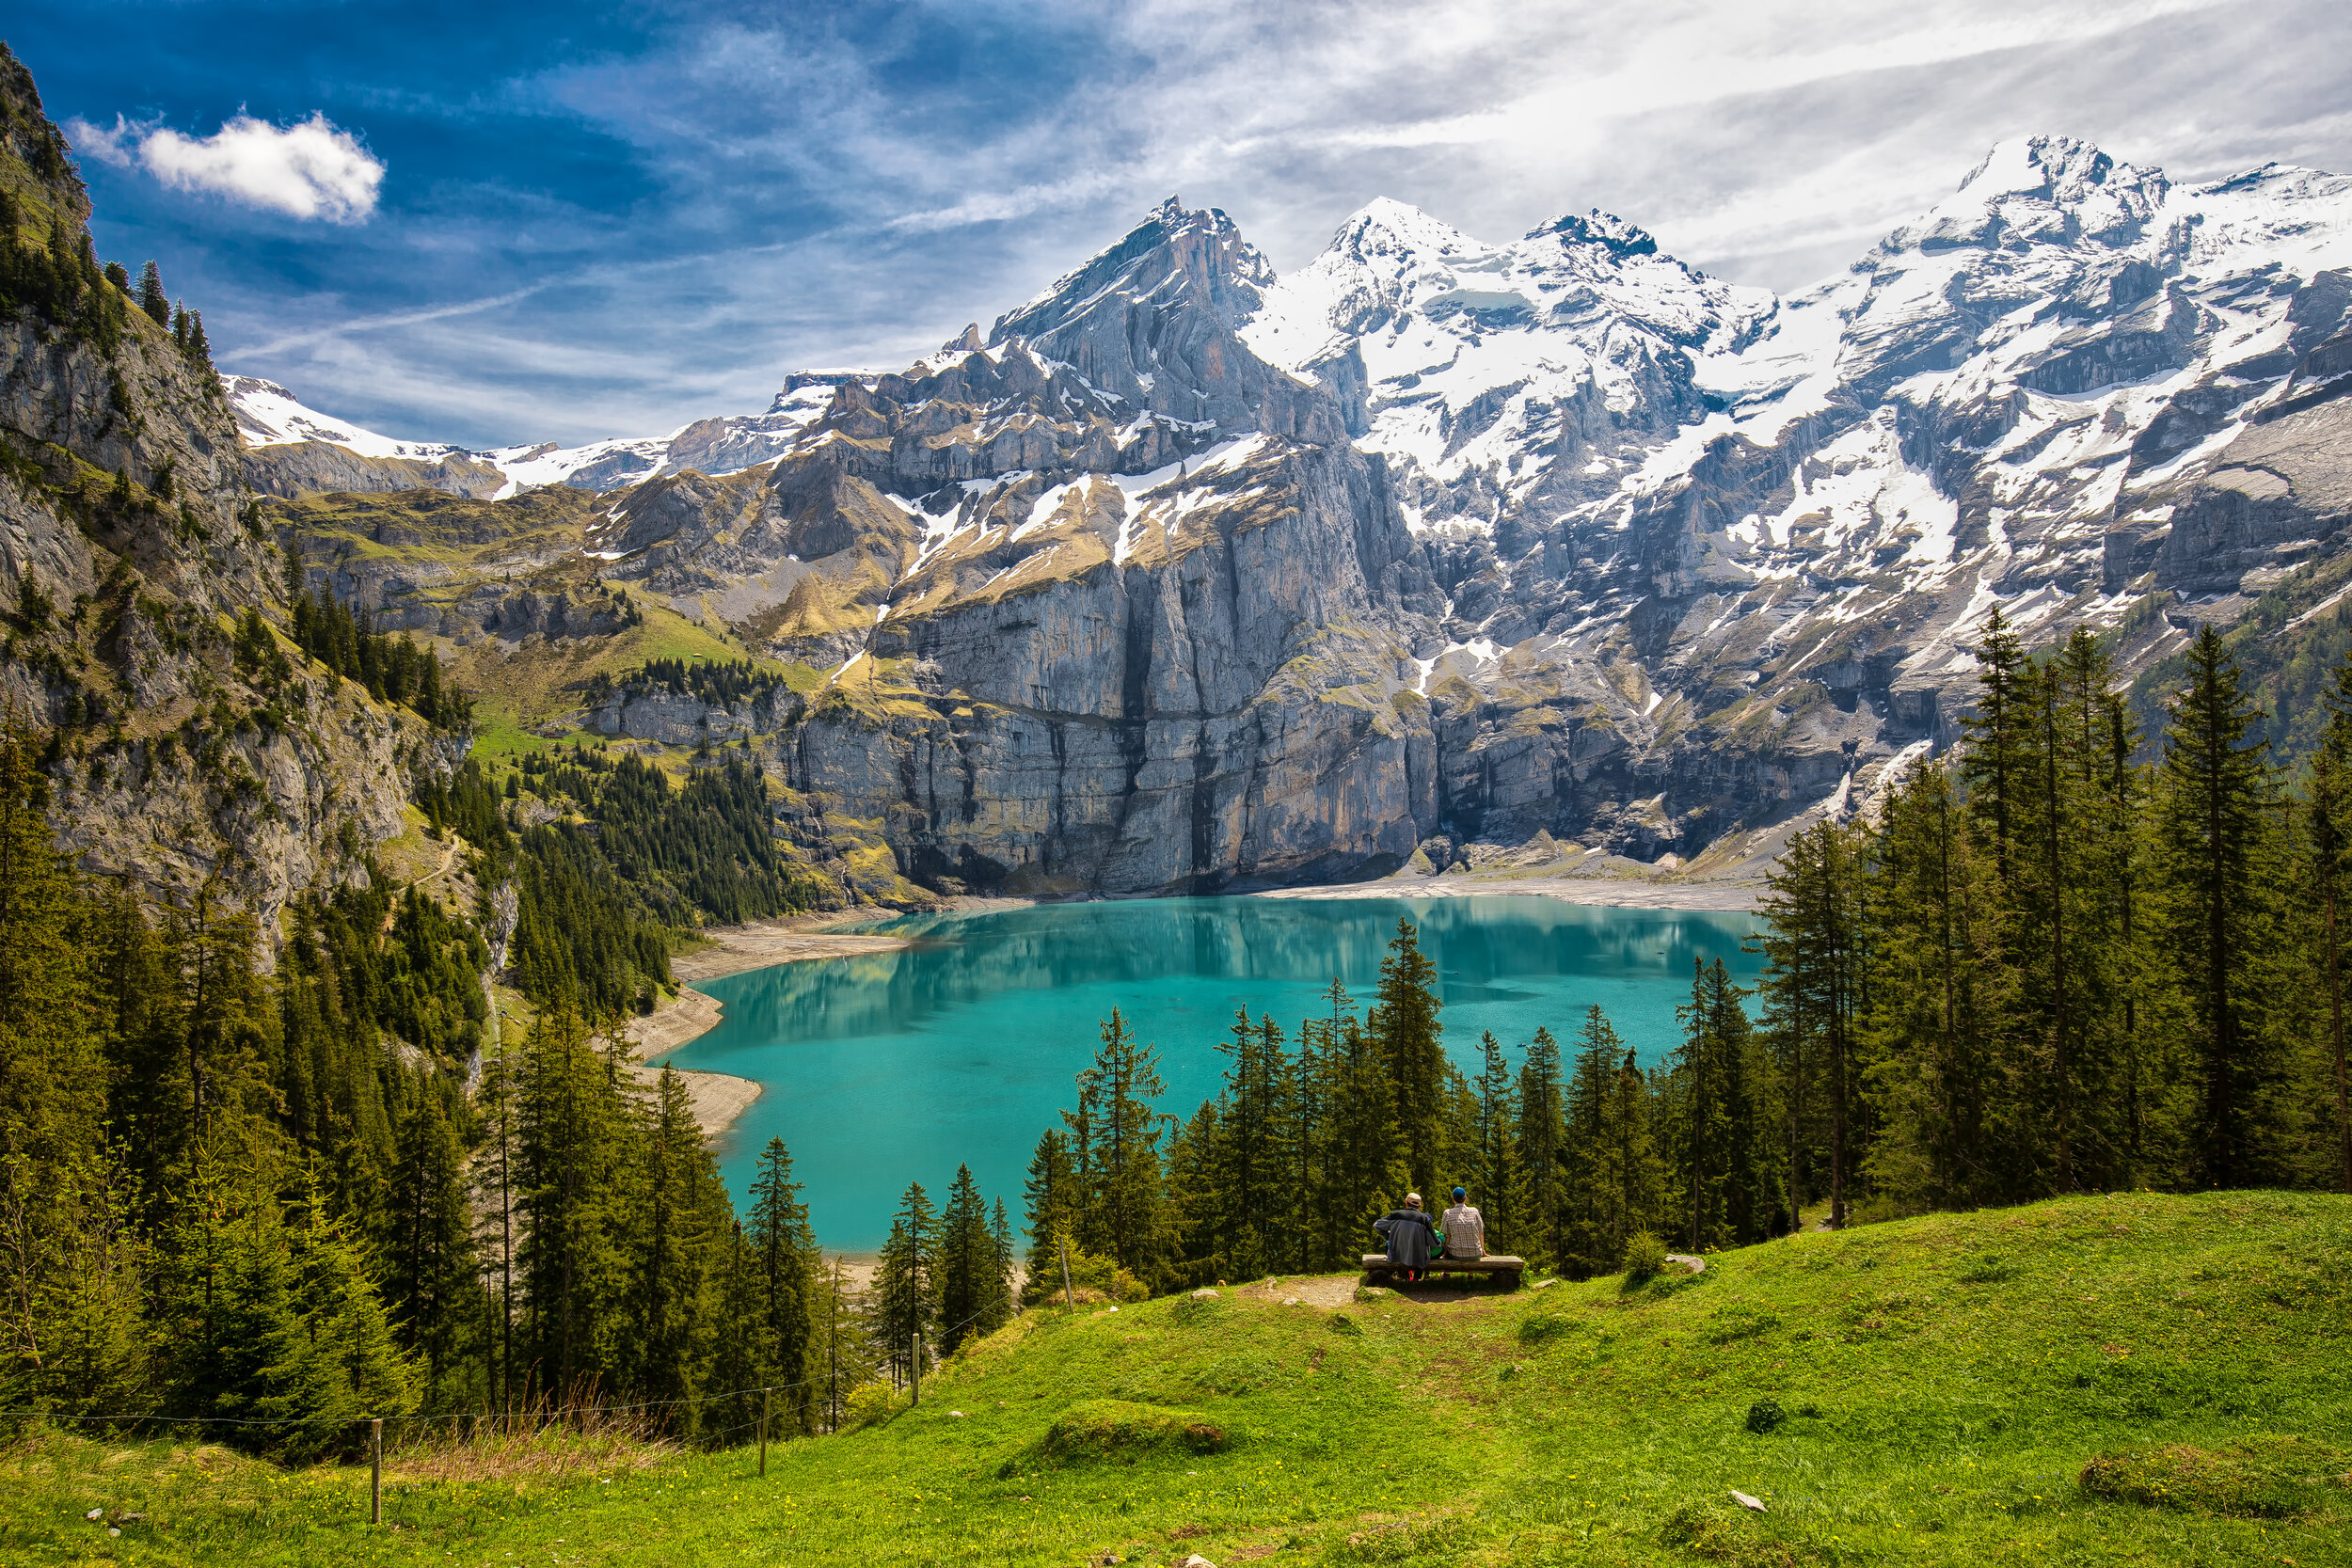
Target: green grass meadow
(2132,1379)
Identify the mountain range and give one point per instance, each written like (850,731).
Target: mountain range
(1187,575)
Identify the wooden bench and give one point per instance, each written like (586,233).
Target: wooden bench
(1378,1270)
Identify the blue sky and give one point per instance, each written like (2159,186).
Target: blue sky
(500,223)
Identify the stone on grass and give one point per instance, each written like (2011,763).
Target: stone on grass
(1196,1560)
(1746,1502)
(1204,1294)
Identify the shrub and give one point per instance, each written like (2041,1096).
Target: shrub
(1714,1531)
(1645,1258)
(869,1402)
(1091,1278)
(2259,1477)
(1120,1430)
(1764,1415)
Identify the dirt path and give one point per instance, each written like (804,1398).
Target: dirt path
(1337,1290)
(449,858)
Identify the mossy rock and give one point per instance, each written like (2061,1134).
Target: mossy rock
(1713,1529)
(1200,1307)
(1116,1431)
(2256,1477)
(1545,1324)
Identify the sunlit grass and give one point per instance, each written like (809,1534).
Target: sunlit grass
(1942,1384)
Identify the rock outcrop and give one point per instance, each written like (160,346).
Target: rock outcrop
(185,753)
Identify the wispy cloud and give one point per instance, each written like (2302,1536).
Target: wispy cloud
(615,236)
(311,170)
(360,325)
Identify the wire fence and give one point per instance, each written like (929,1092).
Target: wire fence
(539,1418)
(544,1415)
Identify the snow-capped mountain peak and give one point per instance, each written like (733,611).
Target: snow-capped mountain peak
(1548,364)
(268,415)
(297,448)
(2039,190)
(1608,231)
(1176,253)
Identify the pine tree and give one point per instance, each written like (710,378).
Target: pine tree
(1939,986)
(1004,1270)
(784,1248)
(1361,1161)
(1494,1175)
(973,1301)
(1051,1202)
(51,1020)
(334,1361)
(1816,959)
(666,1294)
(2092,862)
(742,1382)
(1719,1167)
(429,1280)
(495,1174)
(2215,827)
(1203,1238)
(1115,1149)
(151,297)
(1244,1155)
(579,1177)
(1405,1029)
(1614,1180)
(906,1287)
(1994,764)
(1541,1139)
(2328,812)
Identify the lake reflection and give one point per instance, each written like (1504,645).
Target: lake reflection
(892,1067)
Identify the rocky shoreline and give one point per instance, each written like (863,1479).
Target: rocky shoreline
(720,1099)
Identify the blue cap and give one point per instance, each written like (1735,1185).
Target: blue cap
(1459,1193)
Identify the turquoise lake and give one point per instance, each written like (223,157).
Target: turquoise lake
(894,1067)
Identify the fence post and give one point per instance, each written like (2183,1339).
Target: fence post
(375,1471)
(763,1434)
(919,1369)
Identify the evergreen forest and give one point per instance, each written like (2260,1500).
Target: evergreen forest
(281,1197)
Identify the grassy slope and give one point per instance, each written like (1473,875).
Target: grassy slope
(1963,1369)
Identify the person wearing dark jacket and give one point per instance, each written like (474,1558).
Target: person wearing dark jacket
(1410,1237)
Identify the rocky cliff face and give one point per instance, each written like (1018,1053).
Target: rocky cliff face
(184,756)
(1112,604)
(1741,545)
(1184,575)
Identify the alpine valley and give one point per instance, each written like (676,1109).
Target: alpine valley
(1186,576)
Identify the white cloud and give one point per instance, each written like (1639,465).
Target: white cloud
(310,170)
